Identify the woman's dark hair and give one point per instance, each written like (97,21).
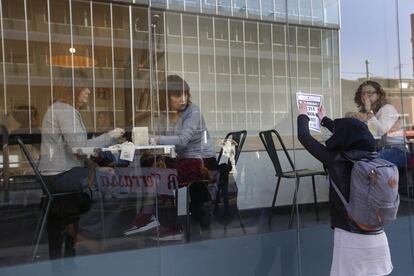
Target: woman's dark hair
(63,89)
(382,100)
(173,85)
(20,114)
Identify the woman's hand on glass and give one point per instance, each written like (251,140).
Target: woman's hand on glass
(116,133)
(303,110)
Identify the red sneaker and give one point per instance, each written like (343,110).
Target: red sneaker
(142,222)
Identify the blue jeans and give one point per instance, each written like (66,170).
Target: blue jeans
(395,155)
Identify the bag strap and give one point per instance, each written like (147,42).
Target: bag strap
(338,192)
(366,159)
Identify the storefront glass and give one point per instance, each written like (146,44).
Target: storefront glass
(89,67)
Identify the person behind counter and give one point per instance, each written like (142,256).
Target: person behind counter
(62,130)
(356,251)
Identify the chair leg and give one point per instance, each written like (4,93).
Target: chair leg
(187,232)
(292,212)
(274,200)
(315,199)
(42,227)
(217,201)
(101,202)
(241,222)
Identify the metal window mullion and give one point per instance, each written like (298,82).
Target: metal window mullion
(246,12)
(261,9)
(131,47)
(49,28)
(260,75)
(310,62)
(215,71)
(154,36)
(199,63)
(321,51)
(182,49)
(323,12)
(311,8)
(165,65)
(201,6)
(28,64)
(333,66)
(273,74)
(150,68)
(245,73)
(230,74)
(231,9)
(299,12)
(297,58)
(216,7)
(113,62)
(93,66)
(339,72)
(182,45)
(72,63)
(3,60)
(288,77)
(274,12)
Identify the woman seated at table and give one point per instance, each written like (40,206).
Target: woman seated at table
(181,123)
(62,130)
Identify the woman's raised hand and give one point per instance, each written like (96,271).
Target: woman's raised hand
(303,110)
(321,112)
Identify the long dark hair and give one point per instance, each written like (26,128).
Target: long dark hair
(382,100)
(173,85)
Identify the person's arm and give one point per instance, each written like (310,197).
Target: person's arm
(325,121)
(315,148)
(385,119)
(191,122)
(328,123)
(74,133)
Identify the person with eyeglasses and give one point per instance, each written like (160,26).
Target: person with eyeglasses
(386,124)
(384,121)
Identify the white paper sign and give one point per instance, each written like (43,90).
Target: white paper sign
(137,181)
(313,103)
(127,153)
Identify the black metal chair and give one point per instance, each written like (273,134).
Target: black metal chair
(48,197)
(239,137)
(222,187)
(269,144)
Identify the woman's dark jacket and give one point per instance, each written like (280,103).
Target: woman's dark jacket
(348,134)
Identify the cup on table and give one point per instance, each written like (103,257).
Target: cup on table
(140,136)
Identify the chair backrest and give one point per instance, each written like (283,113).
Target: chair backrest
(4,136)
(239,137)
(33,164)
(269,144)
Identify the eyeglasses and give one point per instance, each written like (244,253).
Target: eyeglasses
(369,93)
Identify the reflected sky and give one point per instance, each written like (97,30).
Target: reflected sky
(369,31)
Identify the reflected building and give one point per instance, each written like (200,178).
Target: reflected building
(244,60)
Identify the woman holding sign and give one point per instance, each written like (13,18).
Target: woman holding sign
(358,250)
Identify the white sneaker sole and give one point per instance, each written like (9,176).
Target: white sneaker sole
(144,228)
